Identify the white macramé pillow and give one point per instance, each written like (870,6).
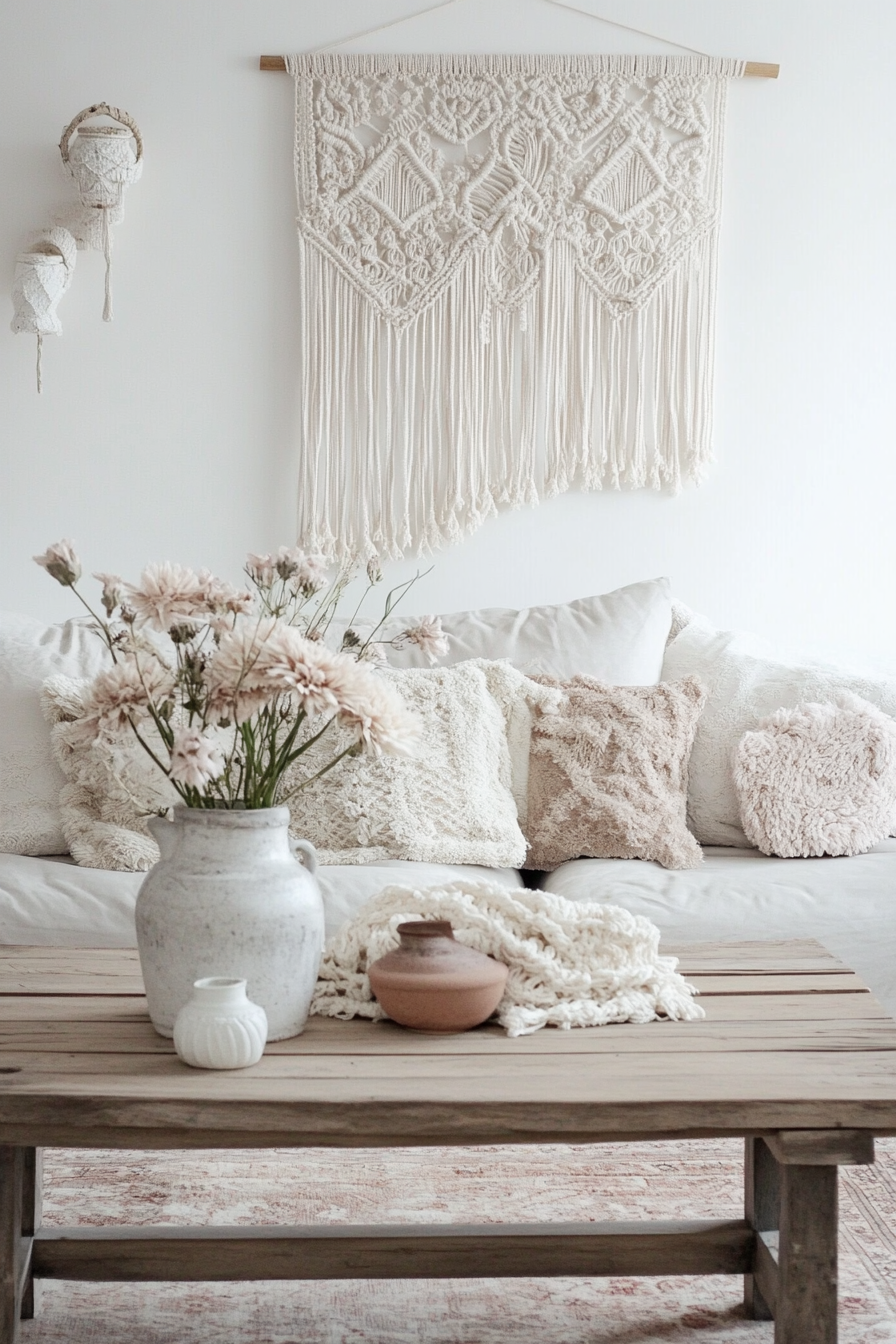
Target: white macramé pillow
(742,689)
(455,803)
(30,779)
(618,638)
(818,779)
(459,800)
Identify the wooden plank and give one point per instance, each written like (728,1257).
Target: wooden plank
(845,982)
(762,1201)
(70,970)
(139,1037)
(463,1078)
(794,1008)
(11,1170)
(806,1305)
(32,1210)
(65,985)
(329,1035)
(800,955)
(765,1272)
(72,1008)
(84,958)
(822,1148)
(437,1251)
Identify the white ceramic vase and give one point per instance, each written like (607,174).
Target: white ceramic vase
(220,1028)
(231,896)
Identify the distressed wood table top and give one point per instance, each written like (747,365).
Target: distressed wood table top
(792,1039)
(794,1054)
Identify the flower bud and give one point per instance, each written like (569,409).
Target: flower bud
(61,563)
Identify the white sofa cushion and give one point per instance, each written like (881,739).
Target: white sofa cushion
(619,637)
(743,688)
(848,904)
(30,780)
(54,903)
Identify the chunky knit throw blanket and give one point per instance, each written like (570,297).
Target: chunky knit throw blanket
(572,963)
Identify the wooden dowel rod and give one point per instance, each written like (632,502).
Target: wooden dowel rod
(760,69)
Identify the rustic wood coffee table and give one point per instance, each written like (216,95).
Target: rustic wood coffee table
(795,1055)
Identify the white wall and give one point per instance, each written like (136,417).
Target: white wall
(171,432)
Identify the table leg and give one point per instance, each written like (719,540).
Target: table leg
(12,1166)
(762,1205)
(32,1199)
(806,1310)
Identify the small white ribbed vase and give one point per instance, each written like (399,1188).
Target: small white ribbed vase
(220,1028)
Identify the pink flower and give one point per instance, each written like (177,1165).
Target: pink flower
(122,695)
(167,594)
(195,759)
(260,569)
(61,563)
(222,598)
(305,669)
(375,714)
(429,637)
(307,572)
(237,679)
(113,591)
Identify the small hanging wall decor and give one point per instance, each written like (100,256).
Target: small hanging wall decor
(508,284)
(43,273)
(102,161)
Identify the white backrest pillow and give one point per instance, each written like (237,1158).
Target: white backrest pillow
(617,638)
(742,689)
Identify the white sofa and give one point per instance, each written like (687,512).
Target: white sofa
(631,636)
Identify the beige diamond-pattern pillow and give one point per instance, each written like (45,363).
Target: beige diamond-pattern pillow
(608,775)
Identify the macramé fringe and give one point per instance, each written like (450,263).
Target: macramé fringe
(412,439)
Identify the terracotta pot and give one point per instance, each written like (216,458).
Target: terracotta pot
(433,983)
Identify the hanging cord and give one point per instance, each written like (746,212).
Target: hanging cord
(107,253)
(446,4)
(40,351)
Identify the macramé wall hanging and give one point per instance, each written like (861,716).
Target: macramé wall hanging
(507,284)
(101,160)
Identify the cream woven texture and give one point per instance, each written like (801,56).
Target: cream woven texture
(458,800)
(572,964)
(508,264)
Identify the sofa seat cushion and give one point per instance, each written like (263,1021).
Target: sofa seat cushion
(52,902)
(848,904)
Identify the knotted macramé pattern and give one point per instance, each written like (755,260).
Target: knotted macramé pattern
(507,271)
(572,963)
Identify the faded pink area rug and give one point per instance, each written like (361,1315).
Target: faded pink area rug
(660,1180)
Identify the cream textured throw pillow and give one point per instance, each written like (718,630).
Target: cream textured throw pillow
(30,779)
(742,689)
(111,789)
(453,803)
(608,775)
(818,779)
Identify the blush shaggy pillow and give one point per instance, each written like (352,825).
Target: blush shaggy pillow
(818,779)
(608,775)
